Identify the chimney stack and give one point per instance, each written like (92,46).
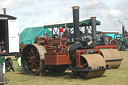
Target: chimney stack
(4,10)
(76,24)
(123,30)
(93,24)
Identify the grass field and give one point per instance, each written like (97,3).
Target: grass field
(111,77)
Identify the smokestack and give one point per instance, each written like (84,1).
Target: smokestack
(76,24)
(123,30)
(4,10)
(93,24)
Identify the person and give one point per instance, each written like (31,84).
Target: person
(81,33)
(19,62)
(82,37)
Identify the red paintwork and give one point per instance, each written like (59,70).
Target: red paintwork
(126,34)
(23,45)
(96,51)
(79,52)
(57,59)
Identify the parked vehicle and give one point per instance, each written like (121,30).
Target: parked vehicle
(59,53)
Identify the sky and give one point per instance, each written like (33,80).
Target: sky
(34,13)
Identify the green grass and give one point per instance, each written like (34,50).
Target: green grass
(111,77)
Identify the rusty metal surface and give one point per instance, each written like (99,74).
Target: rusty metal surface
(112,57)
(95,74)
(56,59)
(22,46)
(94,61)
(114,64)
(33,59)
(41,51)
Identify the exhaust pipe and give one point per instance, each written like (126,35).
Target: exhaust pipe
(4,10)
(93,24)
(123,30)
(76,43)
(76,24)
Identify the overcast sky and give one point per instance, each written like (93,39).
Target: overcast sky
(32,13)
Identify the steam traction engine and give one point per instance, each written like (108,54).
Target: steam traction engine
(59,53)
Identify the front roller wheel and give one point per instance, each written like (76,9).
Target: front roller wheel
(91,60)
(32,59)
(112,57)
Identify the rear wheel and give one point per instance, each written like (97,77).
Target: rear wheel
(114,42)
(123,48)
(120,45)
(32,59)
(105,39)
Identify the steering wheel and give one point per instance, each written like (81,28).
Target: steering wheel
(47,34)
(55,36)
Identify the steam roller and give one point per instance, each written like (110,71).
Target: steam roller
(90,63)
(58,54)
(112,57)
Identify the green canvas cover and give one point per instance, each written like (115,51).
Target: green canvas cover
(27,36)
(82,23)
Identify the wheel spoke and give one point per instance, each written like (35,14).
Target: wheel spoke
(36,55)
(31,52)
(36,67)
(31,66)
(85,65)
(37,61)
(29,61)
(29,57)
